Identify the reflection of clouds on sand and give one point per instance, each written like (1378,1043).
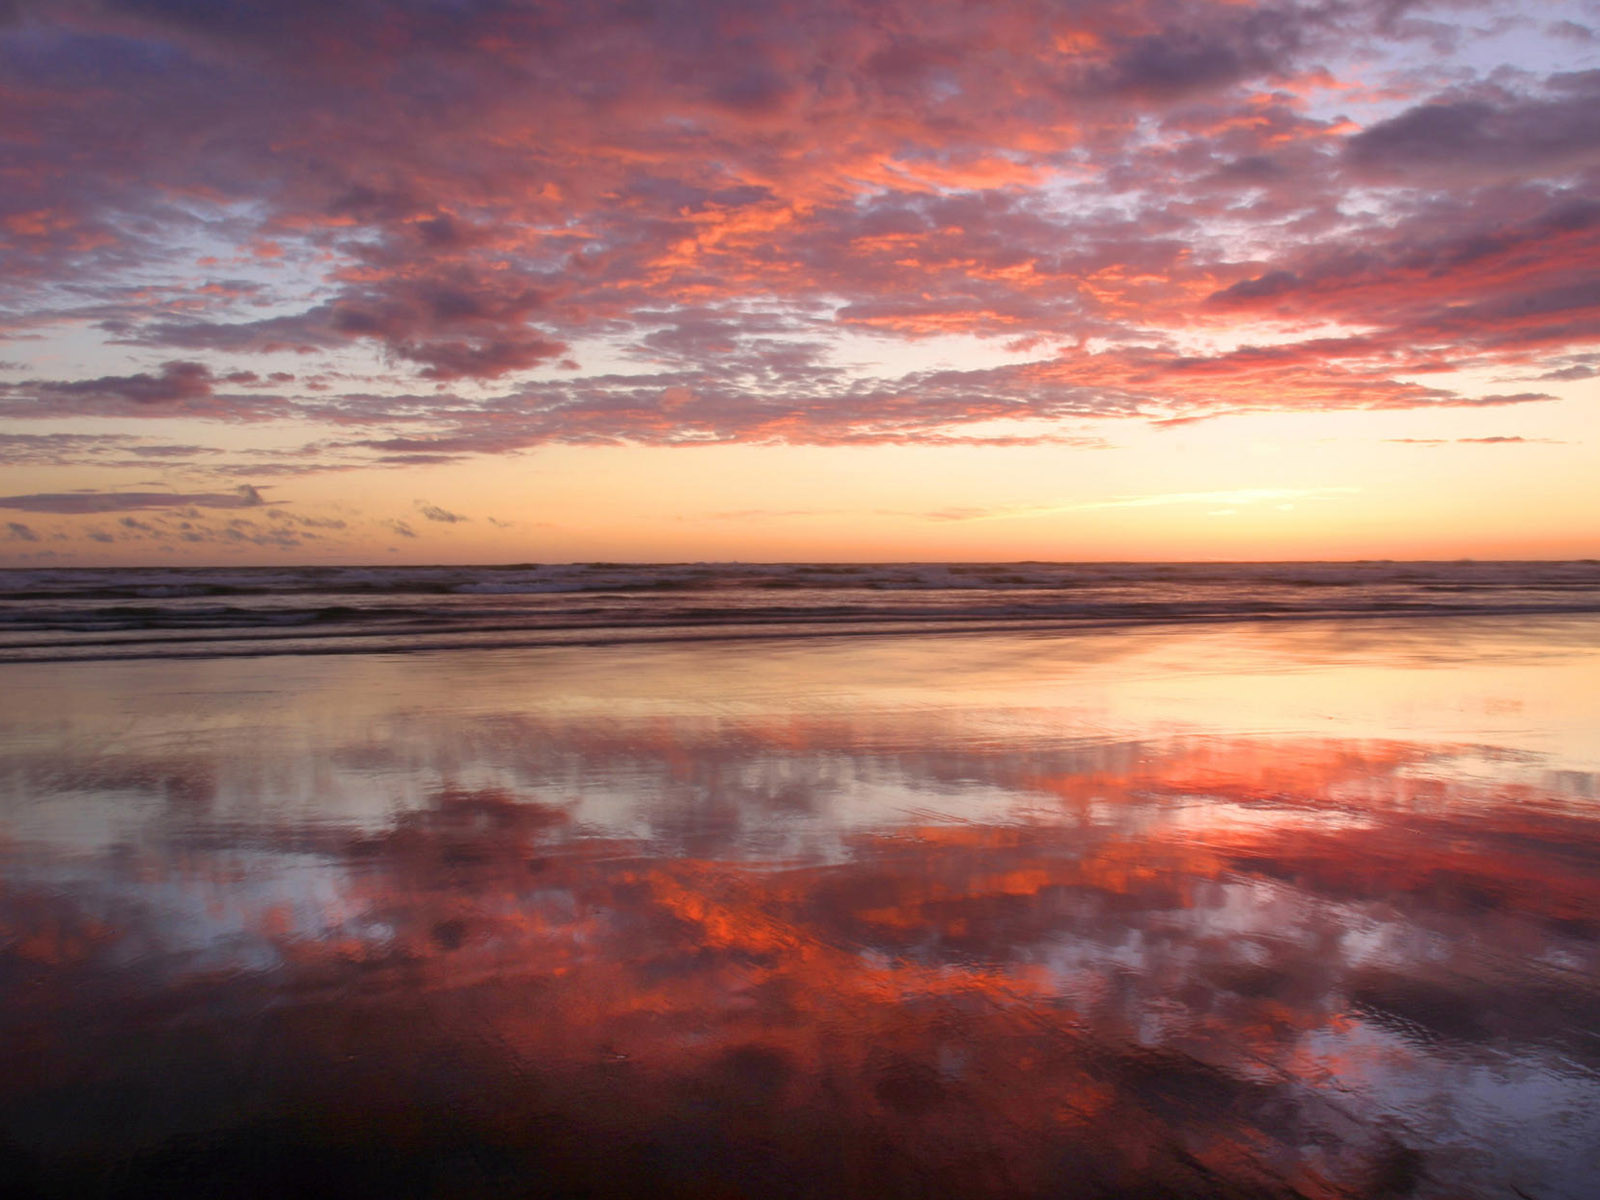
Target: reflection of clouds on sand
(959,944)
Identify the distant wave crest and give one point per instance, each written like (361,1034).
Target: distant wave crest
(61,614)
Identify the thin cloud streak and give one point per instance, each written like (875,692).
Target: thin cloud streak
(1235,496)
(245,496)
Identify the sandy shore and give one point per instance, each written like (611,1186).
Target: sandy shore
(1235,910)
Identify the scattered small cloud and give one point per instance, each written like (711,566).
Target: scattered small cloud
(286,516)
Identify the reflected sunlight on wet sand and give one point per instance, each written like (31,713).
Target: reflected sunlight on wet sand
(1254,911)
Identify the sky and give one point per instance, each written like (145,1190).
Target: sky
(517,280)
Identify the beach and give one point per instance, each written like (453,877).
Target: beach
(1303,907)
(727,600)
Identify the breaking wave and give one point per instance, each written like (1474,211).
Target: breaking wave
(60,614)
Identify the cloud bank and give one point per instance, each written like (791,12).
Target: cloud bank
(666,222)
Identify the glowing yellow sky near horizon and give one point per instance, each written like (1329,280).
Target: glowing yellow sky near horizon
(1258,486)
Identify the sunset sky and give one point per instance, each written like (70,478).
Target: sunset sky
(520,280)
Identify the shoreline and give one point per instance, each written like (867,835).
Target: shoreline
(154,648)
(1271,887)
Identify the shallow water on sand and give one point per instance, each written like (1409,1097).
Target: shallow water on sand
(1246,910)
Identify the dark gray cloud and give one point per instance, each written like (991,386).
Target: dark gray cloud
(179,389)
(177,381)
(74,449)
(1481,138)
(1214,52)
(245,496)
(451,327)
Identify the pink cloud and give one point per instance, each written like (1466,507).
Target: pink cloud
(470,193)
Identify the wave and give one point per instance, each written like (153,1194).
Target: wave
(59,614)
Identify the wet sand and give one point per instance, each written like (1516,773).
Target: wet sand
(1243,910)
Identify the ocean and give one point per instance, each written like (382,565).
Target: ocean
(64,614)
(972,881)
